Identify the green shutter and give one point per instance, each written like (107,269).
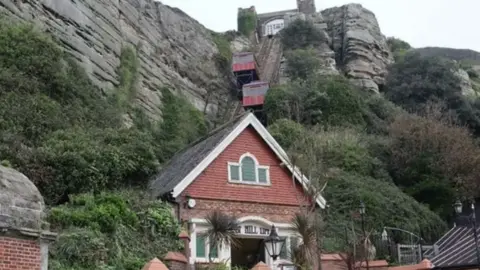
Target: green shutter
(248,170)
(293,246)
(213,252)
(234,172)
(283,253)
(262,176)
(200,246)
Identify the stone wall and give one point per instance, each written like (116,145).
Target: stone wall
(175,50)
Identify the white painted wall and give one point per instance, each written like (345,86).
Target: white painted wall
(197,226)
(273,27)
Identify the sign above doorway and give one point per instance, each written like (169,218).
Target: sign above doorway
(252,230)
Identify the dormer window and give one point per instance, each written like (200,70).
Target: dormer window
(248,171)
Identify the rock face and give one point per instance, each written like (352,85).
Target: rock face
(465,82)
(21,205)
(361,49)
(174,49)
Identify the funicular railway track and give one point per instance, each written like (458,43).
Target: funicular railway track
(255,72)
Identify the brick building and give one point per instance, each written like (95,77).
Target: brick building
(23,238)
(241,170)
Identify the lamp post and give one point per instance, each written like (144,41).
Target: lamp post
(274,243)
(362,216)
(458,206)
(420,239)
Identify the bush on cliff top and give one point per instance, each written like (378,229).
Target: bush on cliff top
(301,34)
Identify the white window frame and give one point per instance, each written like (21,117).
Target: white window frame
(257,166)
(206,248)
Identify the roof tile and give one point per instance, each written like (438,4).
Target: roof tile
(155,264)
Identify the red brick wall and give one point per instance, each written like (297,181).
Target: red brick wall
(274,213)
(213,183)
(19,254)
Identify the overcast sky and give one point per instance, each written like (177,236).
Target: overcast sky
(443,23)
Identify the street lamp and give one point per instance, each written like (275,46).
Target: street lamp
(274,243)
(458,206)
(366,249)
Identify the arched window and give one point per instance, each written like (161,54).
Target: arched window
(248,171)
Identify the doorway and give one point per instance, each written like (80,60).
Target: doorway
(248,253)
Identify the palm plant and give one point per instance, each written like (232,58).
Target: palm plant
(222,229)
(307,252)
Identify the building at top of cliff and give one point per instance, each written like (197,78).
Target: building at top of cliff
(306,6)
(269,24)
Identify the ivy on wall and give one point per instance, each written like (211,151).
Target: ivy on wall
(246,21)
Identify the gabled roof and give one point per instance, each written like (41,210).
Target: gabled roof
(186,165)
(455,248)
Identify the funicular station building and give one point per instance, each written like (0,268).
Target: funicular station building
(241,170)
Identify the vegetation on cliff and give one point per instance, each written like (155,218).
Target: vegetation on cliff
(71,141)
(66,136)
(396,154)
(119,230)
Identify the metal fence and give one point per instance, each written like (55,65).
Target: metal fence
(403,252)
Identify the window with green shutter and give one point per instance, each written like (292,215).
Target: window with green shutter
(213,252)
(248,170)
(234,172)
(262,176)
(200,246)
(283,253)
(293,245)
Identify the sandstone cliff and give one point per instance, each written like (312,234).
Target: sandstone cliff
(174,49)
(361,51)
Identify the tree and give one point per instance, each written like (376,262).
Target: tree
(320,99)
(398,47)
(416,80)
(308,222)
(431,154)
(301,63)
(301,34)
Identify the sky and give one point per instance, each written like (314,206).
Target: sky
(441,23)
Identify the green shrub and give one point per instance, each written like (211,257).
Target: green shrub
(417,81)
(65,135)
(182,124)
(386,205)
(286,132)
(120,230)
(224,56)
(327,100)
(301,63)
(128,73)
(301,34)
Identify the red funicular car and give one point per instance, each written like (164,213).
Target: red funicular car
(244,66)
(254,93)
